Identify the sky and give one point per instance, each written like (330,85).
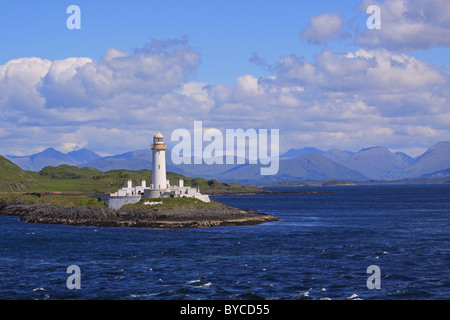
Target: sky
(312,69)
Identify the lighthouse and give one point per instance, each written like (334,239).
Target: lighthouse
(159,162)
(160,188)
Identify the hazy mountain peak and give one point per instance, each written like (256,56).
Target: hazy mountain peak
(436,158)
(51,153)
(83,155)
(292,153)
(441,146)
(375,149)
(405,157)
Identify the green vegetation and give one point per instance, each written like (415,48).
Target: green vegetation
(338,183)
(12,177)
(69,172)
(171,203)
(65,201)
(73,180)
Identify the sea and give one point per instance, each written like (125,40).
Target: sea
(376,242)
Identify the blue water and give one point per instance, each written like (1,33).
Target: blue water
(320,248)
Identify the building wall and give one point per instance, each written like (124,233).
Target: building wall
(116,203)
(159,169)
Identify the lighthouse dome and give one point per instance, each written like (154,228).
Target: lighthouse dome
(158,142)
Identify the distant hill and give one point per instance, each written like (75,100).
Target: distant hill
(35,162)
(436,158)
(83,156)
(379,163)
(375,163)
(437,174)
(52,157)
(294,153)
(134,160)
(65,171)
(12,177)
(406,158)
(337,155)
(309,167)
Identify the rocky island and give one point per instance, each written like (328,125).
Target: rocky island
(172,213)
(66,201)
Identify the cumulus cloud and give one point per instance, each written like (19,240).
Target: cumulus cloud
(17,85)
(155,69)
(408,25)
(362,71)
(114,104)
(324,27)
(145,90)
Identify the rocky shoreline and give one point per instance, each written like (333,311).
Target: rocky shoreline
(152,217)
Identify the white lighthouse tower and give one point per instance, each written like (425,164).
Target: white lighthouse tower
(159,162)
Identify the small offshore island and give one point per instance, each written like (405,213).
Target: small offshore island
(89,197)
(172,213)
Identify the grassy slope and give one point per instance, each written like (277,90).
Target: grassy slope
(60,201)
(12,177)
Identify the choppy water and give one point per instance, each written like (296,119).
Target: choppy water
(320,248)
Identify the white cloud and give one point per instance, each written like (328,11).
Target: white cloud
(408,24)
(113,138)
(323,28)
(152,71)
(423,131)
(17,85)
(367,70)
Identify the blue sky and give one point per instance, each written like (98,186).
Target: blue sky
(226,33)
(309,68)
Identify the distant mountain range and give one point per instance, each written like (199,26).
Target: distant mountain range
(296,165)
(52,157)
